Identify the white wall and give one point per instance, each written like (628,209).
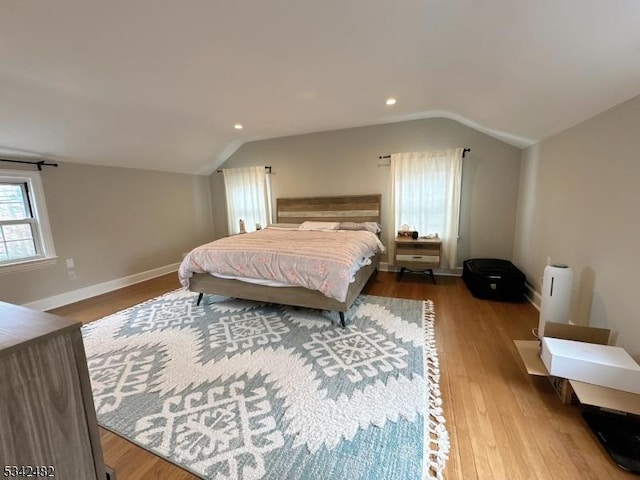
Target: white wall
(579,204)
(342,162)
(114,223)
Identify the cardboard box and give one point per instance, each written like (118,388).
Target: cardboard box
(529,351)
(565,391)
(602,365)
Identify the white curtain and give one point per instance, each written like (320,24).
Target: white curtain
(426,196)
(248,195)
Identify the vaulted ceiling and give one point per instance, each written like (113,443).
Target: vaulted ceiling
(160,84)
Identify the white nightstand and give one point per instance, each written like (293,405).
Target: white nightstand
(418,256)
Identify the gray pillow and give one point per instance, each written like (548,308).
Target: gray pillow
(372,227)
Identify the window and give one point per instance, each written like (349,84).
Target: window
(25,238)
(248,193)
(426,195)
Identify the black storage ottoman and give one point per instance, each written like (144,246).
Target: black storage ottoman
(495,279)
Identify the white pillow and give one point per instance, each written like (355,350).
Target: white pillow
(284,226)
(372,227)
(319,226)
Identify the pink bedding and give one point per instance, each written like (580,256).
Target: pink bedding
(326,261)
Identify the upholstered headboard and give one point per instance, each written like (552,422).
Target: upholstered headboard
(348,208)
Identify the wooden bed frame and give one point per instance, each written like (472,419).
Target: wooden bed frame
(352,208)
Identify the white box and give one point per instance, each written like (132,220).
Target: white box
(603,365)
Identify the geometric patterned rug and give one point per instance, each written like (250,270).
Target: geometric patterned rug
(235,389)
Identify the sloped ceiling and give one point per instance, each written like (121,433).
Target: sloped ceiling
(159,84)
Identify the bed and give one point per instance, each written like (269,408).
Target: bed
(355,209)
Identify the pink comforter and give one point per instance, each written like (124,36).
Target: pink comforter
(318,260)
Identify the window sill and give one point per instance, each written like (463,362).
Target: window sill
(27,265)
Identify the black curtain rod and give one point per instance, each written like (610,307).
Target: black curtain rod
(464,151)
(268,169)
(39,164)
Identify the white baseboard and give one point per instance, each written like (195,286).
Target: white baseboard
(534,297)
(450,273)
(386,267)
(100,288)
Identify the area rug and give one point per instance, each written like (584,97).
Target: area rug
(235,389)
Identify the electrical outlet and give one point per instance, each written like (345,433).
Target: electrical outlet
(72,275)
(70,263)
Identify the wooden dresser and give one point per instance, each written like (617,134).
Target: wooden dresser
(47,417)
(418,256)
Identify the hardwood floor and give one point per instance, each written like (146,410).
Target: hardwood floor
(502,422)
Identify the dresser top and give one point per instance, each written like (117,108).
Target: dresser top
(20,326)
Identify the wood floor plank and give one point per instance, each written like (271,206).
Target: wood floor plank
(502,422)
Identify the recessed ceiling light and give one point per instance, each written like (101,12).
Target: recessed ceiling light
(391,101)
(238,126)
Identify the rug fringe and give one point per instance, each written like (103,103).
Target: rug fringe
(436,436)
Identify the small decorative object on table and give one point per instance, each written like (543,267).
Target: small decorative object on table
(407,231)
(242,229)
(408,234)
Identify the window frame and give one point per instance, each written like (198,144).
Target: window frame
(39,221)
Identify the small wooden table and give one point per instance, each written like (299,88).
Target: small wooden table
(418,256)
